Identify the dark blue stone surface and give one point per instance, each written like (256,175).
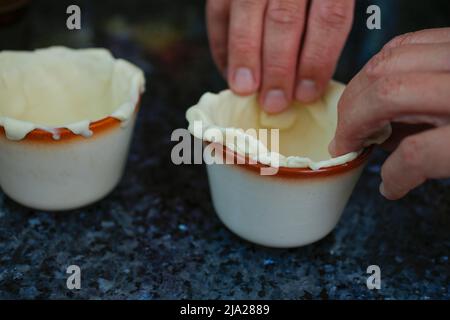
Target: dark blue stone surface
(144,242)
(156,236)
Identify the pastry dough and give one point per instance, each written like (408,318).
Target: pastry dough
(304,130)
(61,87)
(282,121)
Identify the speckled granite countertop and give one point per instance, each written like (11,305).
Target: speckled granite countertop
(157,236)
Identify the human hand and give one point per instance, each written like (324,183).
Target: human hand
(278,47)
(406,84)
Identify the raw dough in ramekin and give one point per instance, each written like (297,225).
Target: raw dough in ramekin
(305,130)
(59,87)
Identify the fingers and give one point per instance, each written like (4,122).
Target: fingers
(418,158)
(402,130)
(217,15)
(244,45)
(283,28)
(409,58)
(409,97)
(329,24)
(258,42)
(394,50)
(428,36)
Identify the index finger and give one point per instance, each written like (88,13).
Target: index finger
(423,37)
(328,26)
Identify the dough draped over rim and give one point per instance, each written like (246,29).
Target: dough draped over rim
(305,130)
(58,87)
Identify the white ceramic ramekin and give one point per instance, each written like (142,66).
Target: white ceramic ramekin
(47,174)
(283,191)
(66,121)
(295,207)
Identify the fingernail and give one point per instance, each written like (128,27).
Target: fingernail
(275,101)
(243,81)
(382,190)
(306,91)
(332,147)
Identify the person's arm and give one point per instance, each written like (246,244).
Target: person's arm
(278,48)
(407,83)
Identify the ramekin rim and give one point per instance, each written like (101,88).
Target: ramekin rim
(303,172)
(65,133)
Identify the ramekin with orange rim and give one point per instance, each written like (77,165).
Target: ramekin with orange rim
(66,120)
(302,201)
